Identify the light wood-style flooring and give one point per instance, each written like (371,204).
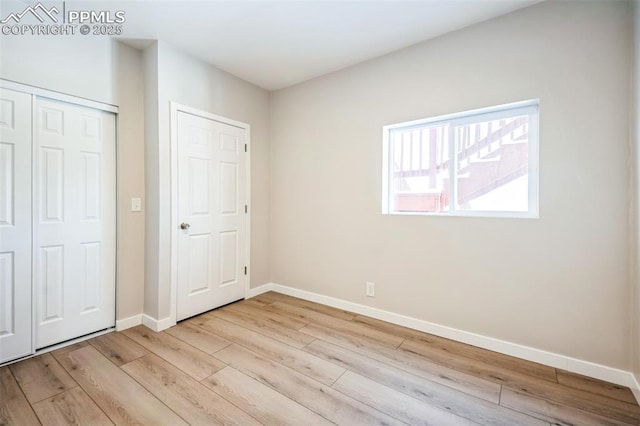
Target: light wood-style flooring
(278,360)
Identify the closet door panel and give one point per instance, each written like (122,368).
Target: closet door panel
(15,225)
(74,221)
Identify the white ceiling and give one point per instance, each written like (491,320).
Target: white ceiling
(275,44)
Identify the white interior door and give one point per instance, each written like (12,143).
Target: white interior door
(15,225)
(74,221)
(211,214)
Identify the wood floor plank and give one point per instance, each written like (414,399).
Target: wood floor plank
(70,348)
(596,386)
(585,401)
(263,296)
(190,399)
(462,349)
(276,359)
(123,399)
(296,359)
(260,401)
(72,407)
(347,339)
(514,364)
(347,327)
(323,309)
(396,404)
(256,302)
(409,363)
(323,400)
(553,412)
(41,377)
(264,326)
(434,394)
(402,380)
(490,371)
(604,406)
(14,407)
(269,313)
(118,348)
(192,361)
(198,337)
(388,327)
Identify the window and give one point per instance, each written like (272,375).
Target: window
(476,163)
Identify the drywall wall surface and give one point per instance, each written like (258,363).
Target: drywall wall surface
(130,175)
(558,283)
(152,184)
(191,82)
(75,65)
(635,211)
(99,69)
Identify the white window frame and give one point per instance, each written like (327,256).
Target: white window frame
(529,107)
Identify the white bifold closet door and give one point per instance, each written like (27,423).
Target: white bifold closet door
(73,221)
(15,225)
(57,222)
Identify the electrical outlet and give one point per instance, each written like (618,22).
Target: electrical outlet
(371,289)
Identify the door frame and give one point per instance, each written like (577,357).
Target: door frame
(175,108)
(57,96)
(38,92)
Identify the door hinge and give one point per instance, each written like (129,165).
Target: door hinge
(245,147)
(245,270)
(246,209)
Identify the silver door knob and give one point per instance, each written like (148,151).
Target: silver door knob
(184,225)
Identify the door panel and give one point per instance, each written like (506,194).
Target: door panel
(15,225)
(8,290)
(199,186)
(90,185)
(199,263)
(7,171)
(51,184)
(74,221)
(211,199)
(90,278)
(228,188)
(52,278)
(229,257)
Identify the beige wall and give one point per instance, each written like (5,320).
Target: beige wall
(635,193)
(103,70)
(142,84)
(559,283)
(130,175)
(152,184)
(191,82)
(194,83)
(79,66)
(316,225)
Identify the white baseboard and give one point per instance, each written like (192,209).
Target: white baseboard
(253,292)
(597,371)
(125,323)
(157,325)
(636,387)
